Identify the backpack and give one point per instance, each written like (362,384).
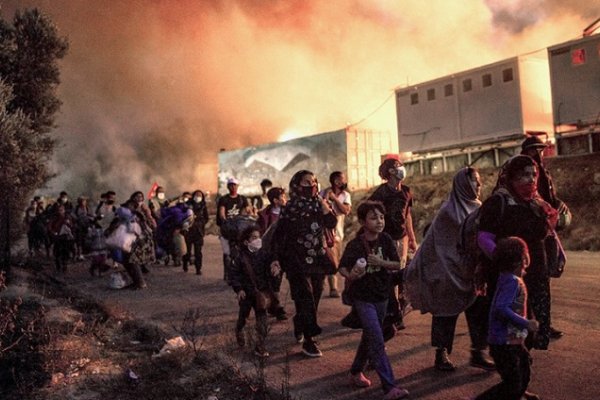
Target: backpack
(232,228)
(468,249)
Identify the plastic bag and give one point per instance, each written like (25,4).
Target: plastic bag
(117,281)
(122,238)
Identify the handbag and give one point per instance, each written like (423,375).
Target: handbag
(555,255)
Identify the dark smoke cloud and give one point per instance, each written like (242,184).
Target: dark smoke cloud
(153,89)
(515,16)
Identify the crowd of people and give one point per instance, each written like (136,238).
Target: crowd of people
(499,276)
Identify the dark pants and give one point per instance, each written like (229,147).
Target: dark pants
(306,291)
(62,253)
(443,328)
(195,244)
(246,305)
(538,299)
(514,366)
(135,272)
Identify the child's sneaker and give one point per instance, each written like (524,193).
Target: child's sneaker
(360,380)
(395,394)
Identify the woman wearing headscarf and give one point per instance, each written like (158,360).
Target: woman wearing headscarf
(437,280)
(299,250)
(143,250)
(517,209)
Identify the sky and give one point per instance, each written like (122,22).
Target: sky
(153,89)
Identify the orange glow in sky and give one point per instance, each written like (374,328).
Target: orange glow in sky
(150,88)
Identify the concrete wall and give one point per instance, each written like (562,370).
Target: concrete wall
(321,154)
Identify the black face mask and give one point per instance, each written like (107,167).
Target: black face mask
(343,186)
(308,191)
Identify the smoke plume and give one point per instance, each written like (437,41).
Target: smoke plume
(152,90)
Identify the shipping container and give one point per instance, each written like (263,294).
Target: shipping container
(488,105)
(356,152)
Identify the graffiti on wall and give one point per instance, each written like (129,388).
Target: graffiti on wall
(321,154)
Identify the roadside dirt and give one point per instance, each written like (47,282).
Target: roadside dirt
(133,325)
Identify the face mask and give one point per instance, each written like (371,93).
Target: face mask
(198,199)
(64,199)
(400,172)
(255,245)
(343,186)
(525,191)
(110,202)
(160,196)
(185,200)
(308,191)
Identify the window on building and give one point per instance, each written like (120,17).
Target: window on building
(467,85)
(414,98)
(448,90)
(486,80)
(430,94)
(507,75)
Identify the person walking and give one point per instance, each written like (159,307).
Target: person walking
(250,273)
(397,200)
(516,209)
(437,282)
(298,249)
(194,237)
(229,206)
(534,147)
(341,204)
(509,325)
(365,264)
(60,228)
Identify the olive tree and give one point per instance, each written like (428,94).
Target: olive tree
(30,47)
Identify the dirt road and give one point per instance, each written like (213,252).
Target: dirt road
(569,370)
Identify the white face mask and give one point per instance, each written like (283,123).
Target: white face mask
(400,172)
(198,199)
(185,200)
(255,245)
(160,196)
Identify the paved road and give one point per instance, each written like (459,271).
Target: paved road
(569,370)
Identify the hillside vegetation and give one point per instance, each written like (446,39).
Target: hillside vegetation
(577,179)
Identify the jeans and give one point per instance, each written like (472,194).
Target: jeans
(372,347)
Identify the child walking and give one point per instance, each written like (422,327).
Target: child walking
(509,325)
(369,288)
(249,278)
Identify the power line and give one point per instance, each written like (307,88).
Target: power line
(372,112)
